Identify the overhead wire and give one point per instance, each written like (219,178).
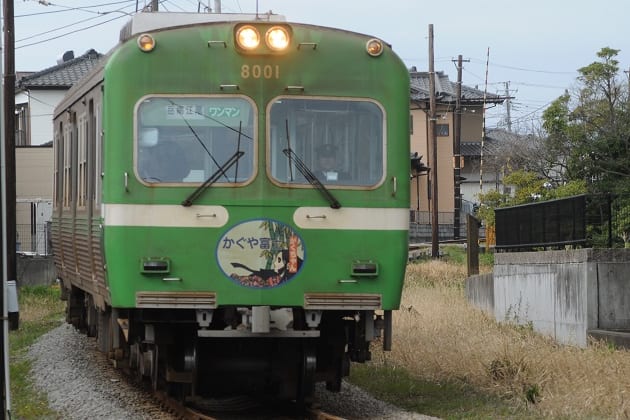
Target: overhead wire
(70,9)
(525,69)
(99,15)
(69,33)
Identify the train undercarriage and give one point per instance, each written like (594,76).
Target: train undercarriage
(262,352)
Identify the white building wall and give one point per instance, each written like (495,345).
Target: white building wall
(41,104)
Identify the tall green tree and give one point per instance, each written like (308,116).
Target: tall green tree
(593,126)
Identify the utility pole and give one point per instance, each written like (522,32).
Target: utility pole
(508,106)
(7,174)
(9,136)
(4,316)
(483,123)
(435,244)
(154,5)
(217,6)
(457,141)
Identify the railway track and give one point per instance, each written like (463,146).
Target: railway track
(240,408)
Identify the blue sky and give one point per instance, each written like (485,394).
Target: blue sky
(535,45)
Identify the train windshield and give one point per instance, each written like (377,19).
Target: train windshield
(341,141)
(188,139)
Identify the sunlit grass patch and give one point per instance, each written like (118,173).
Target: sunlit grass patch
(41,310)
(444,346)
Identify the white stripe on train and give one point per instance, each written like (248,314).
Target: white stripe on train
(174,215)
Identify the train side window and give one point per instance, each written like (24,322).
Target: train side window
(82,166)
(98,155)
(188,139)
(67,165)
(341,141)
(58,163)
(74,155)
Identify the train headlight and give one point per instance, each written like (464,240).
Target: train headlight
(374,47)
(247,37)
(146,43)
(277,38)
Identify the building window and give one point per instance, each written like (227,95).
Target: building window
(442,130)
(21,125)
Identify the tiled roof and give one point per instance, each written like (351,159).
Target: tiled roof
(473,148)
(495,142)
(63,75)
(446,90)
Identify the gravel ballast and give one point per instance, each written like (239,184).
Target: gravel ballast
(82,384)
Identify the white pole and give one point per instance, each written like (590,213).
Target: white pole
(5,289)
(217,6)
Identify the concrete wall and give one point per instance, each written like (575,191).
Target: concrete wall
(34,172)
(34,270)
(562,294)
(480,292)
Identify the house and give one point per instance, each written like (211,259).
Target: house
(37,95)
(482,171)
(455,196)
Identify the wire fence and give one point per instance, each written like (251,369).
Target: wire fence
(33,239)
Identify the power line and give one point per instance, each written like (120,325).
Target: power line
(526,69)
(56,29)
(194,3)
(69,33)
(99,15)
(71,9)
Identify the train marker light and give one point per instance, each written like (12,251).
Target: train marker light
(277,38)
(374,47)
(146,43)
(247,37)
(152,265)
(362,268)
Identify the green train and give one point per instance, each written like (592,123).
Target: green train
(231,198)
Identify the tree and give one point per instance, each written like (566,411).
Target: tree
(583,145)
(530,187)
(593,126)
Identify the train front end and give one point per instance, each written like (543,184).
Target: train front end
(236,258)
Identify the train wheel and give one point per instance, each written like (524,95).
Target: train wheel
(181,374)
(306,380)
(190,365)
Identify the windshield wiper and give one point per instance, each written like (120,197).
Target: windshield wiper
(213,178)
(312,178)
(201,143)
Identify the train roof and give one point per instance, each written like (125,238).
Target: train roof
(145,22)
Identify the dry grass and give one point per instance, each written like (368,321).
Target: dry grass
(37,303)
(440,337)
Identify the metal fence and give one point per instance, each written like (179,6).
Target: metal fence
(593,221)
(420,226)
(33,239)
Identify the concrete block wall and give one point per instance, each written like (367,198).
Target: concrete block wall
(480,292)
(34,270)
(562,294)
